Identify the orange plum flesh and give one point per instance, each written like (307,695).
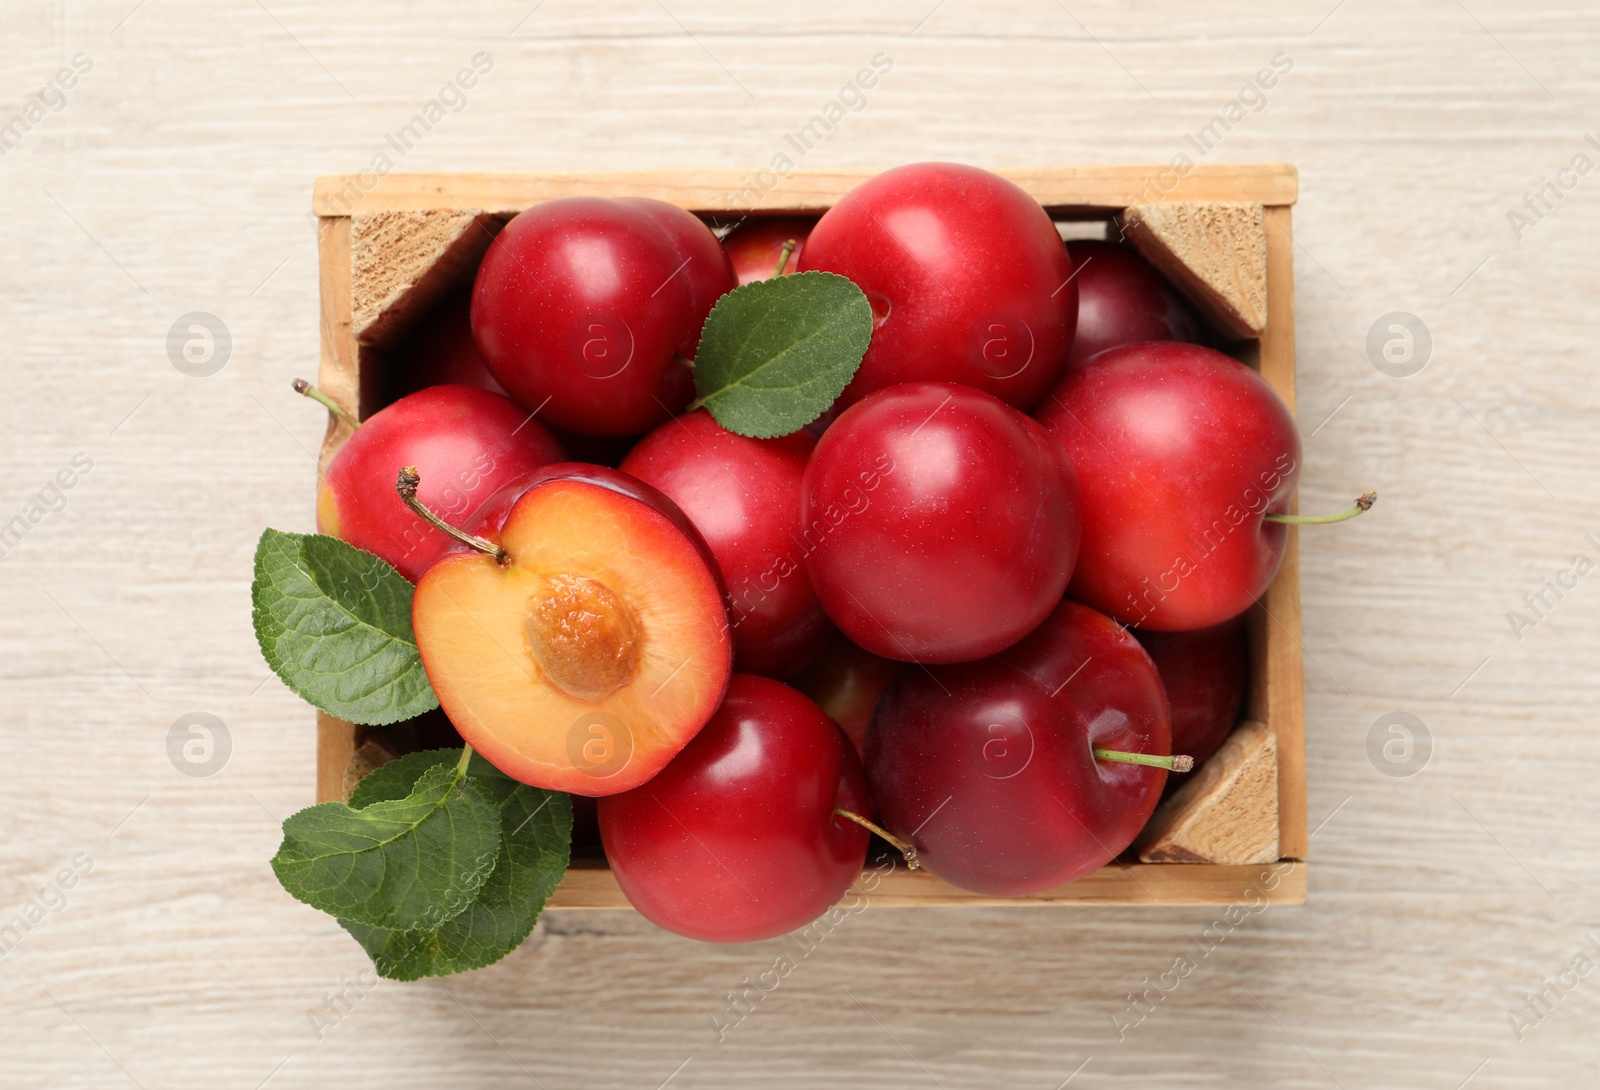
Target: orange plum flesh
(594,653)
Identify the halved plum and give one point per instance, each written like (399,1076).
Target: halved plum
(594,648)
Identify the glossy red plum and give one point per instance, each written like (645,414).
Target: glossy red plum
(744,496)
(1180,452)
(703,264)
(755,245)
(846,682)
(1204,674)
(988,768)
(736,839)
(1121,300)
(466,443)
(582,304)
(967,277)
(941,524)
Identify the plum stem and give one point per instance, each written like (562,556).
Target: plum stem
(406,485)
(1363,503)
(1178,762)
(466,758)
(301,386)
(678,357)
(906,850)
(783,257)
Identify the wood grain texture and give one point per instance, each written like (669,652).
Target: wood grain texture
(402,262)
(1226,812)
(1106,188)
(1215,251)
(1276,694)
(175,180)
(369,756)
(589,885)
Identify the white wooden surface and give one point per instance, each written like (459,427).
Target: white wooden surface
(177,179)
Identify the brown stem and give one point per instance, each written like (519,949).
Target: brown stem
(906,850)
(406,485)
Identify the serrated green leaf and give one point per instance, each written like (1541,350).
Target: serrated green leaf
(535,847)
(395,779)
(774,354)
(412,862)
(334,622)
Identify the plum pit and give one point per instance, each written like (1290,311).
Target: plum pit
(584,637)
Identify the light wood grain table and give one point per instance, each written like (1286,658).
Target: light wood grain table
(173,177)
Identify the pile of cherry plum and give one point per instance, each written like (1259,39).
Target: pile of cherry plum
(976,606)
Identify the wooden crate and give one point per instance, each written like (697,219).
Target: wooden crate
(392,245)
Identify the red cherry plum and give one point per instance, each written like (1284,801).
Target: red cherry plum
(1204,673)
(988,768)
(1121,300)
(1181,452)
(736,839)
(755,245)
(967,277)
(941,524)
(583,305)
(466,443)
(744,496)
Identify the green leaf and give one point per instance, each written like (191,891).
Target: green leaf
(535,846)
(334,622)
(395,779)
(776,353)
(411,862)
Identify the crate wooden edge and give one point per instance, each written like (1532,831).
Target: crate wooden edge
(724,191)
(589,885)
(1276,695)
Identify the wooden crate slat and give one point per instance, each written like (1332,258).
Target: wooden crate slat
(402,262)
(590,886)
(1226,811)
(338,376)
(1282,706)
(1103,188)
(1215,252)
